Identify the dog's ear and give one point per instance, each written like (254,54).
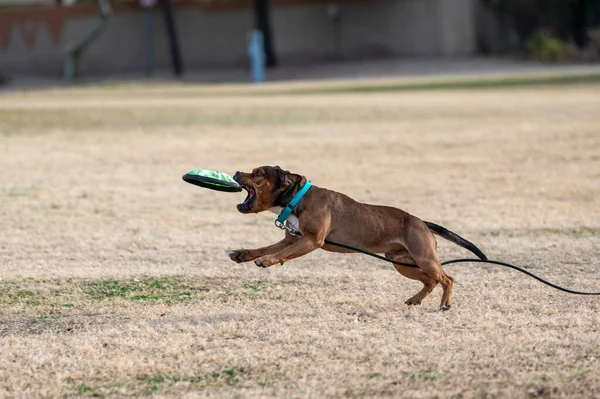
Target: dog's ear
(284,177)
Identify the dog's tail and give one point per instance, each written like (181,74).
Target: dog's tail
(455,238)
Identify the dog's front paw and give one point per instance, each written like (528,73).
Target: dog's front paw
(265,261)
(240,255)
(412,302)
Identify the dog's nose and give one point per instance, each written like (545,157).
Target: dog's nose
(236,175)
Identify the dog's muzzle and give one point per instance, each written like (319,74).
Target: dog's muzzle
(244,207)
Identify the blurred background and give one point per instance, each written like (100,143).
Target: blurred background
(221,40)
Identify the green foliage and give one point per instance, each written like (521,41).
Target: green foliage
(560,17)
(544,46)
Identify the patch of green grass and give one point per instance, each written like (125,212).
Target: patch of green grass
(235,294)
(154,383)
(168,298)
(159,379)
(256,286)
(249,289)
(31,293)
(447,84)
(64,293)
(230,375)
(151,389)
(23,297)
(450,83)
(86,389)
(165,290)
(110,288)
(423,377)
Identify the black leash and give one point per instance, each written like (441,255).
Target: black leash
(448,262)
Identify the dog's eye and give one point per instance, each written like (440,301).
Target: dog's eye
(258,173)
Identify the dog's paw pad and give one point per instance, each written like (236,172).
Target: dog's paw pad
(443,308)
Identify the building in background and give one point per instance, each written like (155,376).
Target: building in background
(35,35)
(213,33)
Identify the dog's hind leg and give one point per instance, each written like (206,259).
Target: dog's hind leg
(430,265)
(435,271)
(413,274)
(423,249)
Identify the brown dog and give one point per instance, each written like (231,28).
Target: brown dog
(324,214)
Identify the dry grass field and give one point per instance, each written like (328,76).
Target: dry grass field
(115,280)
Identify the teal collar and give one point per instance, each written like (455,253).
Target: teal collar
(287,210)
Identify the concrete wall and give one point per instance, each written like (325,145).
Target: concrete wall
(303,33)
(376,28)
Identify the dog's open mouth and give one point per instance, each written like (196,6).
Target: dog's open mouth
(245,206)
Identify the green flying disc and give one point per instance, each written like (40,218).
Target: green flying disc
(212,179)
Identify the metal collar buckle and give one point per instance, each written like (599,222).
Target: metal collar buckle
(292,231)
(279,224)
